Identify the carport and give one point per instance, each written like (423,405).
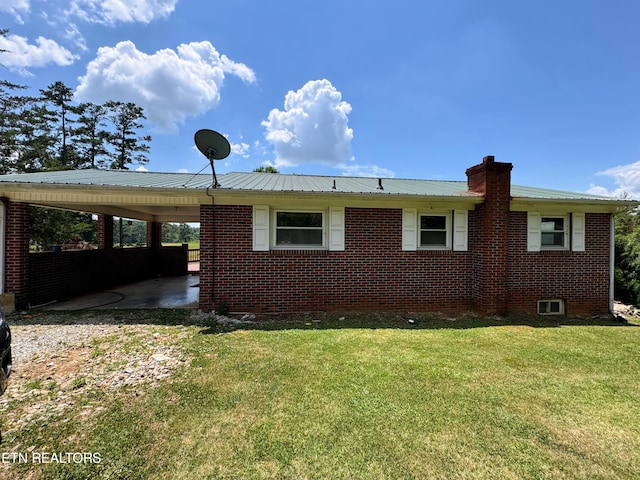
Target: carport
(30,279)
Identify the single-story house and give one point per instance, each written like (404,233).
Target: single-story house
(274,242)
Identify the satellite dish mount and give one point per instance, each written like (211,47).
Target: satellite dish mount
(213,146)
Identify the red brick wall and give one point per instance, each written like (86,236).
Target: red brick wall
(105,231)
(205,300)
(154,234)
(490,245)
(17,251)
(373,273)
(581,279)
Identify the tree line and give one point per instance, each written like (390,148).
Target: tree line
(134,233)
(50,131)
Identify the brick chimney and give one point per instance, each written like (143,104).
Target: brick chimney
(491,250)
(490,177)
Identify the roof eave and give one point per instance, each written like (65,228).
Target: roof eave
(355,199)
(587,204)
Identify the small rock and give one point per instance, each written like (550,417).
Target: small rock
(160,357)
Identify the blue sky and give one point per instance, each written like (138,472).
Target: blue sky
(410,89)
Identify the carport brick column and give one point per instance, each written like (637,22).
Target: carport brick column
(105,231)
(17,252)
(154,235)
(206,258)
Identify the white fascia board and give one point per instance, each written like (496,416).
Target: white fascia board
(234,197)
(560,206)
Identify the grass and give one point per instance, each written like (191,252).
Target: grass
(191,243)
(337,399)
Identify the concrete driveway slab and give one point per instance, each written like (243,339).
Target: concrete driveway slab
(165,292)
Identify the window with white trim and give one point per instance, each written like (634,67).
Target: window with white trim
(299,229)
(423,230)
(282,229)
(435,231)
(556,232)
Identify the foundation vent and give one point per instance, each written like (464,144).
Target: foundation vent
(551,307)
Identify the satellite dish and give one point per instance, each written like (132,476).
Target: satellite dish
(213,146)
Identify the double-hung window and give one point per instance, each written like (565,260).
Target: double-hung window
(284,228)
(554,232)
(299,229)
(434,231)
(427,230)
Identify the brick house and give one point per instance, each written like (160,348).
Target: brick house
(272,243)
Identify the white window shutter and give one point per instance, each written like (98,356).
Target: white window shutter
(409,229)
(578,232)
(336,228)
(260,228)
(533,232)
(460,230)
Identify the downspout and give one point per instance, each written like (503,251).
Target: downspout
(213,242)
(612,263)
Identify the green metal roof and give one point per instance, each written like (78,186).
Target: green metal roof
(328,184)
(519,191)
(111,178)
(270,182)
(254,181)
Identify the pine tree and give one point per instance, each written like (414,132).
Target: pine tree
(128,147)
(90,135)
(60,118)
(10,127)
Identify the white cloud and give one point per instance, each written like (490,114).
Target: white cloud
(110,12)
(241,149)
(312,128)
(170,85)
(626,178)
(20,54)
(72,33)
(15,8)
(142,168)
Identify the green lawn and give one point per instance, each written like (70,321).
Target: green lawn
(192,244)
(440,399)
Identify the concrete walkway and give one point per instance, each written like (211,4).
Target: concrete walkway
(166,292)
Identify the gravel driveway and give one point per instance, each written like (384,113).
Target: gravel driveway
(58,358)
